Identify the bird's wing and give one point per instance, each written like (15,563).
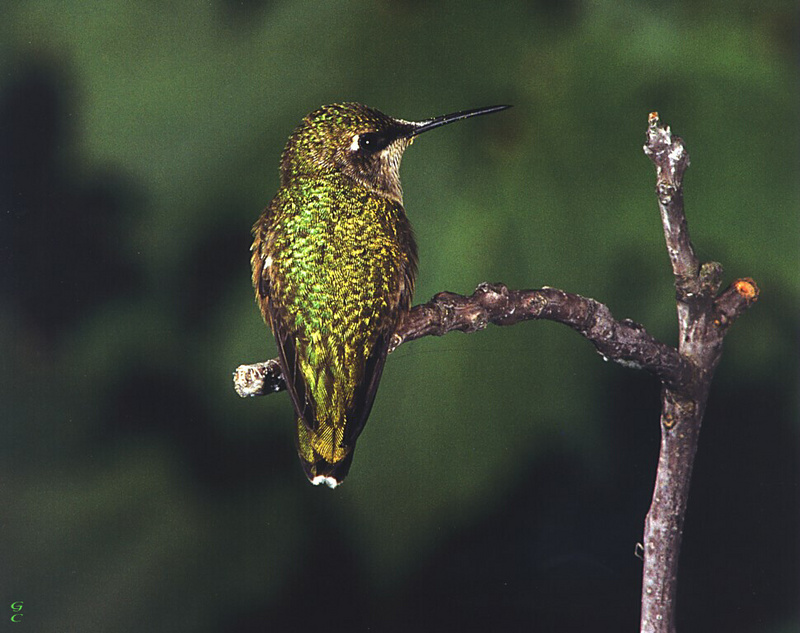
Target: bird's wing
(364,395)
(277,319)
(287,352)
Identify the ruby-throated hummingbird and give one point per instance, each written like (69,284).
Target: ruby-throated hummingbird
(334,262)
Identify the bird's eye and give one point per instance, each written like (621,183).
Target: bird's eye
(369,141)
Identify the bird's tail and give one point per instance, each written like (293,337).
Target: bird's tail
(329,468)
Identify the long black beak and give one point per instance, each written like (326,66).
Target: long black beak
(424,126)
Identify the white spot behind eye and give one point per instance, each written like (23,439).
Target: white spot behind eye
(268,261)
(354,144)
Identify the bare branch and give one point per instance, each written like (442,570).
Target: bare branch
(671,160)
(625,342)
(258,379)
(703,320)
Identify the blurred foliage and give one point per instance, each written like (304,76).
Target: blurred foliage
(504,476)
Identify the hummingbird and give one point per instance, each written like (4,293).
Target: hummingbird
(334,262)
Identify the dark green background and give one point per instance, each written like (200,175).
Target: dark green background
(502,481)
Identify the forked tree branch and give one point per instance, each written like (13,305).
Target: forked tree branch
(703,319)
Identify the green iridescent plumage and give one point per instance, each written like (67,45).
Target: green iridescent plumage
(334,262)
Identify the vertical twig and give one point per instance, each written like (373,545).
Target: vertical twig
(701,329)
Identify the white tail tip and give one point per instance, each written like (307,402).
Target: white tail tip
(322,479)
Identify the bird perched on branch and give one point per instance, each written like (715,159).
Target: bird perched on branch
(334,262)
